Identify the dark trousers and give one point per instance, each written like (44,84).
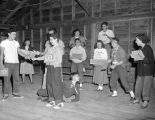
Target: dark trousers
(13,70)
(77,67)
(142,87)
(119,72)
(54,84)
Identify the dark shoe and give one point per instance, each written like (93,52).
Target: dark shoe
(17,96)
(39,98)
(46,100)
(32,82)
(132,99)
(5,98)
(144,105)
(135,101)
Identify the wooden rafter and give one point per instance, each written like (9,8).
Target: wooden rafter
(4,26)
(83,8)
(13,12)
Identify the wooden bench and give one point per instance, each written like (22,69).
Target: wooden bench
(88,73)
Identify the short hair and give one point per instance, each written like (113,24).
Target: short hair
(54,32)
(77,39)
(10,30)
(74,31)
(53,29)
(24,43)
(54,36)
(143,37)
(116,39)
(104,23)
(99,41)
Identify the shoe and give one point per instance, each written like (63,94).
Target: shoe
(32,82)
(46,100)
(50,104)
(58,106)
(144,105)
(135,101)
(5,98)
(39,98)
(132,99)
(18,96)
(114,94)
(99,88)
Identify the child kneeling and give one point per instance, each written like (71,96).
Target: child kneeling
(71,92)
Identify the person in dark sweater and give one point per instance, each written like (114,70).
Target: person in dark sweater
(145,71)
(71,92)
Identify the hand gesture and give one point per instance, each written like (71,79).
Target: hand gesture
(112,66)
(76,61)
(36,52)
(27,57)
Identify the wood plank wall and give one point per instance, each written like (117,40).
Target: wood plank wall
(126,18)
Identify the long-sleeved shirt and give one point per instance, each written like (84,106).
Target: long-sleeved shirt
(70,89)
(119,55)
(146,67)
(55,56)
(103,36)
(100,54)
(79,50)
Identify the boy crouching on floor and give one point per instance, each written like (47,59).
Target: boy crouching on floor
(71,92)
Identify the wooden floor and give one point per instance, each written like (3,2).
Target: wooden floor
(93,105)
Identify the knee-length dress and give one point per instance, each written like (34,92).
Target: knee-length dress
(100,73)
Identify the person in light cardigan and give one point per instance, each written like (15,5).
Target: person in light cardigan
(54,74)
(77,56)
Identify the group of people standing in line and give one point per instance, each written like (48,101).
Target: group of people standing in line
(58,91)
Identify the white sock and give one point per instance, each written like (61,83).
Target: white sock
(114,93)
(132,94)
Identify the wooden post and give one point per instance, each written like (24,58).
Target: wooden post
(41,39)
(31,21)
(32,37)
(40,12)
(93,37)
(73,10)
(92,8)
(61,9)
(23,31)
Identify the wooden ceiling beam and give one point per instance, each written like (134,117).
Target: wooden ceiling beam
(5,26)
(83,8)
(13,12)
